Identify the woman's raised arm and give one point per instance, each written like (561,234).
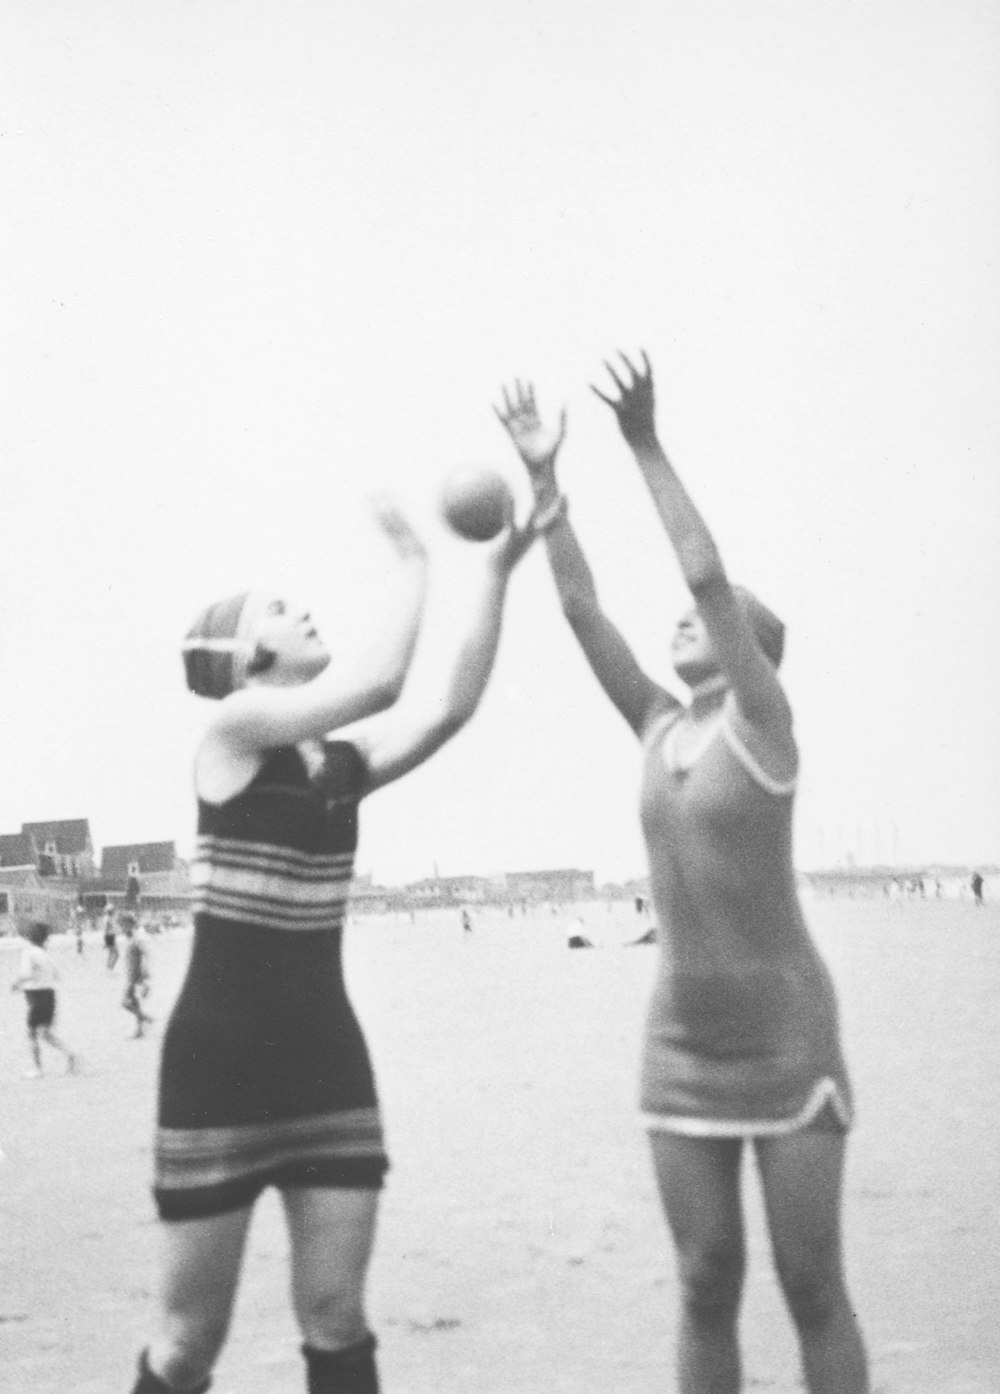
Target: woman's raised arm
(411,733)
(751,676)
(262,716)
(637,697)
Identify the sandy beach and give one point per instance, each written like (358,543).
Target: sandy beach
(521,1248)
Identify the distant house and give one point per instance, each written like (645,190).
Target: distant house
(448,890)
(63,848)
(48,869)
(150,871)
(25,895)
(137,859)
(41,869)
(559,886)
(16,849)
(562,884)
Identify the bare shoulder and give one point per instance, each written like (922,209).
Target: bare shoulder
(769,742)
(223,767)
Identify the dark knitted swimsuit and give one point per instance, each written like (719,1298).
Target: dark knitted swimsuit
(265,1077)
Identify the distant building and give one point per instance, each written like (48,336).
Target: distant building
(441,892)
(25,895)
(137,859)
(60,849)
(366,898)
(639,885)
(47,869)
(17,849)
(148,872)
(559,885)
(448,890)
(41,868)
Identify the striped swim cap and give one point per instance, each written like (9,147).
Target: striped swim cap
(219,645)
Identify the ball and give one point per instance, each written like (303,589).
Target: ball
(476,503)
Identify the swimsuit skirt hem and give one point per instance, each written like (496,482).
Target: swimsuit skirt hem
(825,1095)
(207,1171)
(363,1173)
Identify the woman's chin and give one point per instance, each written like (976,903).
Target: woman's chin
(307,667)
(695,673)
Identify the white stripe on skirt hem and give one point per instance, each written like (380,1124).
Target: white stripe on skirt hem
(824,1092)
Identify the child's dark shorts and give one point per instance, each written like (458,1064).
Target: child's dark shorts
(41,1006)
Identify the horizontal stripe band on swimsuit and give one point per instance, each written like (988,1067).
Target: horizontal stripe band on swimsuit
(188,1158)
(263,884)
(270,857)
(254,887)
(301,878)
(239,911)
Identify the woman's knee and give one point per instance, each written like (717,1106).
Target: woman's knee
(331,1312)
(192,1331)
(813,1290)
(187,1347)
(331,1233)
(711,1280)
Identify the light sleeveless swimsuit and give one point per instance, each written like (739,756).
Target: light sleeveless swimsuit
(742,1034)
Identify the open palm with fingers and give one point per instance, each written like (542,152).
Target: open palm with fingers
(537,444)
(635,404)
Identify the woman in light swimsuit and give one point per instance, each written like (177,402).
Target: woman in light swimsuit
(742,1040)
(265,1078)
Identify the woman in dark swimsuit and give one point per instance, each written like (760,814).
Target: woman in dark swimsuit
(742,1042)
(265,1077)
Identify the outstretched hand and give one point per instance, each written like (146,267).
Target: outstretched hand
(396,527)
(635,405)
(512,544)
(537,444)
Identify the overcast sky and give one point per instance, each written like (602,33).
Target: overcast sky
(260,256)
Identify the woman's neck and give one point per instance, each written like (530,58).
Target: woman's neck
(707,697)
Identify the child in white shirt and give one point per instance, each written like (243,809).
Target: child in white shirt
(37,980)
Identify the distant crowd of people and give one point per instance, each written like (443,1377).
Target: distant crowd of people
(925,887)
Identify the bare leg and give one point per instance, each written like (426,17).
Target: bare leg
(132,1005)
(332,1232)
(36,1050)
(801,1175)
(201,1268)
(53,1040)
(699,1181)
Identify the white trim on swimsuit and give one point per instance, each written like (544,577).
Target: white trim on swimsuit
(824,1091)
(780,788)
(664,719)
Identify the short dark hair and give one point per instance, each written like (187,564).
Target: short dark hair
(38,932)
(260,661)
